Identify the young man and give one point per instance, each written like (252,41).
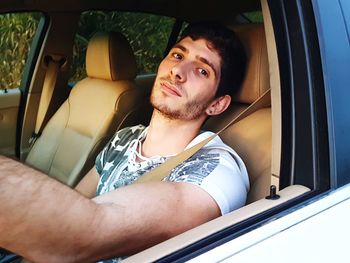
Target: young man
(48,222)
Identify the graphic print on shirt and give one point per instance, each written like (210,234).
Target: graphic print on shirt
(117,168)
(114,157)
(196,168)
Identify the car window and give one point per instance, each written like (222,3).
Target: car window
(16,35)
(148,35)
(254,17)
(249,17)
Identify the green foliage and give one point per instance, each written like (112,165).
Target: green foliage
(255,17)
(147,34)
(16,33)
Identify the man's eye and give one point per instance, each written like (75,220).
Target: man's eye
(177,55)
(203,72)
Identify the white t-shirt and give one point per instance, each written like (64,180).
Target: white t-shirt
(216,167)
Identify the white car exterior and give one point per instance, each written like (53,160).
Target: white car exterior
(317,232)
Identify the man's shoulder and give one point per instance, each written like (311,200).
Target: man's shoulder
(216,157)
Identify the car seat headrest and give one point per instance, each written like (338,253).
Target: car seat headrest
(256,80)
(109,56)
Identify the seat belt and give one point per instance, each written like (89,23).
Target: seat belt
(163,170)
(54,63)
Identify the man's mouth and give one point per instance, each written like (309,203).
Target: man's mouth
(170,88)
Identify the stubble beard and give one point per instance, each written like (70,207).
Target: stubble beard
(192,110)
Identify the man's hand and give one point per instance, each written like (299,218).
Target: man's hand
(45,221)
(41,219)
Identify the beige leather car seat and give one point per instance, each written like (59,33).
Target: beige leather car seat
(96,107)
(251,137)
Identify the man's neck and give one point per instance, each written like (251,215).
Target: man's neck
(167,136)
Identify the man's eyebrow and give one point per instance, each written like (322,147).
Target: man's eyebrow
(181,47)
(205,61)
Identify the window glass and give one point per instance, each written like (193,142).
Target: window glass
(147,34)
(254,17)
(183,27)
(16,35)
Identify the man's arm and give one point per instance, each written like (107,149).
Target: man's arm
(46,221)
(88,185)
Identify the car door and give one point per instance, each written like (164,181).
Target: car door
(9,103)
(18,31)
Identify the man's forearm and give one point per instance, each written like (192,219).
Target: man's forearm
(43,220)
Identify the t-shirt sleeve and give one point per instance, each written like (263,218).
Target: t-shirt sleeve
(226,187)
(218,173)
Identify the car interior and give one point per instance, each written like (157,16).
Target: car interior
(113,96)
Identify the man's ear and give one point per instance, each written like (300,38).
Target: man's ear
(219,105)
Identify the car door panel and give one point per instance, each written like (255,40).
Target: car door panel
(9,104)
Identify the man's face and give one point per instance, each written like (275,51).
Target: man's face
(187,80)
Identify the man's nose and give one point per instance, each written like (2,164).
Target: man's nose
(178,72)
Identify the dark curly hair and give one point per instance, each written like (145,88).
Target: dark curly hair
(229,48)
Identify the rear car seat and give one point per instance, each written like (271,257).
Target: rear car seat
(251,137)
(96,107)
